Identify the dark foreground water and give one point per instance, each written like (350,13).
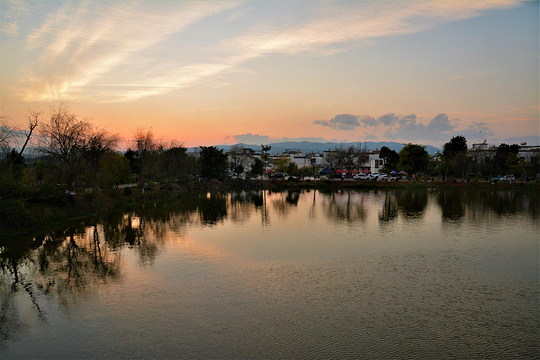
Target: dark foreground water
(405,274)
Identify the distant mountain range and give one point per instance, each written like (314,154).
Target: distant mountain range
(318,147)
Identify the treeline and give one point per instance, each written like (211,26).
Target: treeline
(455,161)
(73,154)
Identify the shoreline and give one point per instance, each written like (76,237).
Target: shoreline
(22,217)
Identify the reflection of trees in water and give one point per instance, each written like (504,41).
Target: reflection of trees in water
(242,205)
(66,267)
(279,203)
(213,208)
(389,210)
(452,203)
(283,202)
(412,202)
(293,197)
(501,203)
(345,206)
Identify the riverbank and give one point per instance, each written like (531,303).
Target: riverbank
(21,216)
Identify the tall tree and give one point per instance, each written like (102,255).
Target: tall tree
(390,157)
(257,168)
(501,160)
(413,158)
(62,139)
(454,155)
(265,154)
(213,163)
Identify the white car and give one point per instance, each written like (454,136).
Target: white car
(361,177)
(382,177)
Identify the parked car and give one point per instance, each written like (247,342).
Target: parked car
(507,178)
(382,177)
(361,177)
(278,175)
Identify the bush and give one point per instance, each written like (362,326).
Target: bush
(13,215)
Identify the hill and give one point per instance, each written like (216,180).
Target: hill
(319,147)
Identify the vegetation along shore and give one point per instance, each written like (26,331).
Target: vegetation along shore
(76,170)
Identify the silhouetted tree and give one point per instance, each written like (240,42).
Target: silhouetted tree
(454,158)
(213,163)
(63,139)
(390,157)
(257,168)
(413,158)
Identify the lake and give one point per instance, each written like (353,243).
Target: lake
(359,274)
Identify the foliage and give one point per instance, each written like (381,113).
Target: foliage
(113,170)
(292,169)
(213,163)
(176,164)
(280,165)
(13,215)
(265,155)
(413,158)
(454,156)
(502,165)
(305,171)
(257,168)
(390,157)
(456,145)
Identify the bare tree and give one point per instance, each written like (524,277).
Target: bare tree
(238,160)
(361,156)
(33,118)
(145,141)
(99,142)
(63,139)
(6,135)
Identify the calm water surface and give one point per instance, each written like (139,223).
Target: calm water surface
(403,274)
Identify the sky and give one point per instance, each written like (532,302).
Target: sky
(219,72)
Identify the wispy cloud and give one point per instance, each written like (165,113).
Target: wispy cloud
(83,42)
(90,48)
(473,74)
(11,12)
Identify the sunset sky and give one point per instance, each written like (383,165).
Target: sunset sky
(218,72)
